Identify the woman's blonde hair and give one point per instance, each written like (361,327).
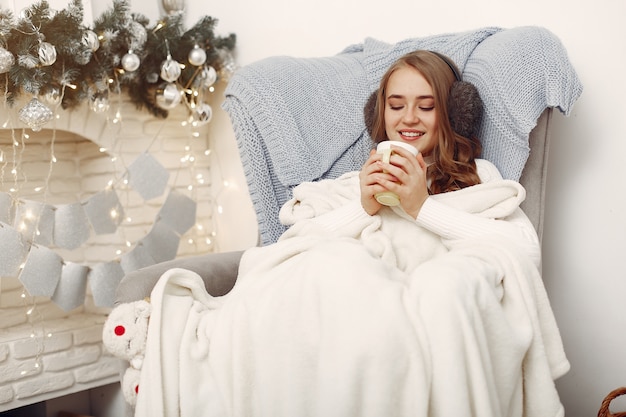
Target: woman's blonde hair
(454,155)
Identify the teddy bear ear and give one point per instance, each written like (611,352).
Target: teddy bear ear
(142,308)
(369,112)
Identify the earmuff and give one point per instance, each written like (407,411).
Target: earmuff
(465,107)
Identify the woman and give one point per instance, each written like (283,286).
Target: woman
(413,105)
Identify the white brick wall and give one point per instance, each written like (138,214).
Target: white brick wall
(50,352)
(67,359)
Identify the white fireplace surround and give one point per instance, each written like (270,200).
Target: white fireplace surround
(50,352)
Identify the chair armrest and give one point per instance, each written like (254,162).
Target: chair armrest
(218,271)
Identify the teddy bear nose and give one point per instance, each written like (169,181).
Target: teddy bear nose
(119,330)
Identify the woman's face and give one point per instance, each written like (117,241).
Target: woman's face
(410,114)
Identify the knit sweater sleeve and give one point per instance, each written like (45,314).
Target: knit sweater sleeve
(340,217)
(453,224)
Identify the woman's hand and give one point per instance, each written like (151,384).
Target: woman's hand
(368,179)
(404,175)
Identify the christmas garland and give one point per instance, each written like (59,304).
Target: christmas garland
(52,56)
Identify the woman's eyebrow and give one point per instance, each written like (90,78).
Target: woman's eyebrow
(423,97)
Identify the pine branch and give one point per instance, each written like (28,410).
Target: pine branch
(6,24)
(82,73)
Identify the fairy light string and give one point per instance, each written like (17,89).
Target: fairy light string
(57,80)
(191,153)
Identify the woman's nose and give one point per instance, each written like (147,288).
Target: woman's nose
(411,116)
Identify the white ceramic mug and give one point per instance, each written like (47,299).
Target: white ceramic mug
(388,198)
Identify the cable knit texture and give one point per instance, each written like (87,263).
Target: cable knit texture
(301,119)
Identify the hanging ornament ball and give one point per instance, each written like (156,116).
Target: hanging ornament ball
(99,103)
(201,114)
(130,61)
(169,96)
(35,115)
(6,60)
(90,40)
(197,56)
(209,76)
(170,70)
(173,7)
(53,96)
(47,54)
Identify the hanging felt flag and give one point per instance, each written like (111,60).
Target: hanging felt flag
(13,249)
(7,209)
(42,271)
(70,291)
(178,211)
(161,242)
(103,281)
(137,258)
(147,176)
(104,211)
(71,226)
(35,221)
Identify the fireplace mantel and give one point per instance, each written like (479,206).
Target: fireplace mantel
(46,352)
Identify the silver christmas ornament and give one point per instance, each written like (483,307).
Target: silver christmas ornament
(209,76)
(173,7)
(201,114)
(6,60)
(130,61)
(99,103)
(47,54)
(35,115)
(197,56)
(170,70)
(169,96)
(90,40)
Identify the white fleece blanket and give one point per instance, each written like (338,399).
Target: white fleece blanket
(355,322)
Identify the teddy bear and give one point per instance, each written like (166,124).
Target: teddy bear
(124,335)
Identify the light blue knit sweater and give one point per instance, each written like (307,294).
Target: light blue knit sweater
(301,119)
